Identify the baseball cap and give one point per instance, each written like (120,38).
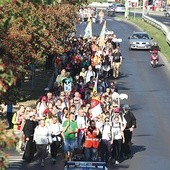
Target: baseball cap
(117,110)
(126,106)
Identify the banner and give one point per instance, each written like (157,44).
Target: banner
(88,30)
(102,35)
(96,108)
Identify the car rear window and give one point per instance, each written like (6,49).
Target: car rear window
(119,5)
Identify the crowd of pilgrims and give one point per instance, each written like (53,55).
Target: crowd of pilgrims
(62,118)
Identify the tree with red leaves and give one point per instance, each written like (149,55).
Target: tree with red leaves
(29,32)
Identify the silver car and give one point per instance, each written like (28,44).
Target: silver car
(120,8)
(140,40)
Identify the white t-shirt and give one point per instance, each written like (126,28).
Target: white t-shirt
(42,135)
(122,121)
(117,131)
(55,129)
(81,121)
(99,124)
(106,131)
(88,74)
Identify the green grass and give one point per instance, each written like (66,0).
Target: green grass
(155,33)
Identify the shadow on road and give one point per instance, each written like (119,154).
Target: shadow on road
(135,107)
(120,166)
(138,148)
(160,65)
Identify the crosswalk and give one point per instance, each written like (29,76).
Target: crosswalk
(15,163)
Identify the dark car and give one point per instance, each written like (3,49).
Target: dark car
(140,40)
(167,13)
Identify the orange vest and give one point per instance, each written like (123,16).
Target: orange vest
(91,141)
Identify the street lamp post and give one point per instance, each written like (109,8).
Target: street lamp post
(145,5)
(143,8)
(127,9)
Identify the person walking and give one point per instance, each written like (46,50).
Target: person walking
(17,126)
(55,129)
(89,73)
(106,141)
(117,61)
(42,138)
(9,115)
(70,129)
(28,131)
(81,120)
(92,140)
(101,16)
(118,139)
(131,124)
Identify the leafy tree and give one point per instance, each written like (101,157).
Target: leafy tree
(7,140)
(29,31)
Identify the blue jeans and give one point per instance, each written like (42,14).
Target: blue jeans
(69,145)
(79,139)
(91,154)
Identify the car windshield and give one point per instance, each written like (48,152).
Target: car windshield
(140,36)
(112,6)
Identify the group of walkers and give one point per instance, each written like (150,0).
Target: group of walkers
(63,117)
(91,13)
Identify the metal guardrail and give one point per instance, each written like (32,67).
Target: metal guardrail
(158,25)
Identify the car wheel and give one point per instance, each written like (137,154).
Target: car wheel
(130,48)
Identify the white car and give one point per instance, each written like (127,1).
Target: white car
(120,8)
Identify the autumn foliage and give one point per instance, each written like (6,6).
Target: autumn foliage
(7,140)
(29,31)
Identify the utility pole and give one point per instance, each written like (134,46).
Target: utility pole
(143,7)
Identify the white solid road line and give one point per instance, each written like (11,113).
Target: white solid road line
(15,162)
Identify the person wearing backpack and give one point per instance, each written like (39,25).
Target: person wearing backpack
(89,73)
(117,61)
(106,140)
(118,139)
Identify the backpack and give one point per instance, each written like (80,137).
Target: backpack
(110,131)
(59,114)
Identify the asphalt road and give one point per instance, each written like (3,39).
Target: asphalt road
(163,19)
(158,16)
(149,95)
